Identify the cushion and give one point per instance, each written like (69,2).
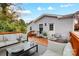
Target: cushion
(15,48)
(24,36)
(52,38)
(68,50)
(64,37)
(57,35)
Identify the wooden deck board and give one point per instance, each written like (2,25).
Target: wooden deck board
(42,41)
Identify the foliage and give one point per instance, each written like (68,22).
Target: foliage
(9,22)
(45,34)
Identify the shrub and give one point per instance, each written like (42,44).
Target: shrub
(45,34)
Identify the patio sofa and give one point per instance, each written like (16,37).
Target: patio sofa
(58,49)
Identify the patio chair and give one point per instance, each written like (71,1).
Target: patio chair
(54,36)
(17,53)
(61,38)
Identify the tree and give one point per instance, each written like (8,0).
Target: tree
(22,21)
(9,22)
(4,7)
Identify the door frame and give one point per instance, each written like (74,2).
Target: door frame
(40,28)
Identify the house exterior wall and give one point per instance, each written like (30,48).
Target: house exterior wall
(47,20)
(62,26)
(33,27)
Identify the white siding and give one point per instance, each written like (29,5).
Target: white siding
(63,26)
(47,20)
(33,25)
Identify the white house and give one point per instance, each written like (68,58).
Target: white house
(51,24)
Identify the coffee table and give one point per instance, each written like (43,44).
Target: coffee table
(26,46)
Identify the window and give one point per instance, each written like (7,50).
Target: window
(30,28)
(45,24)
(50,26)
(40,25)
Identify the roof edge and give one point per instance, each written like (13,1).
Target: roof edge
(55,16)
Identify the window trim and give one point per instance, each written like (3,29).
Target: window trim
(45,24)
(51,26)
(40,25)
(30,28)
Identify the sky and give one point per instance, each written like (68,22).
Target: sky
(30,11)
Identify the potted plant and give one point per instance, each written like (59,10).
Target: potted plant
(45,35)
(19,38)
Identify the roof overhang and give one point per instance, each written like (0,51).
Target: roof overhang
(54,16)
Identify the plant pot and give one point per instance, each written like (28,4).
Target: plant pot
(45,36)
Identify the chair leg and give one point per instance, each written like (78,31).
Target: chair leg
(37,48)
(6,53)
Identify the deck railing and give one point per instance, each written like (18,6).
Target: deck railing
(74,39)
(6,36)
(2,33)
